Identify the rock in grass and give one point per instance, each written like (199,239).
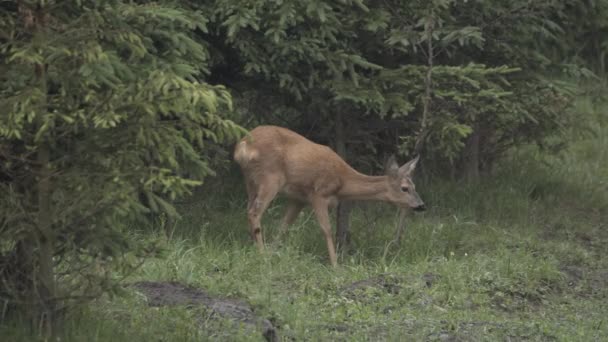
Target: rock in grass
(174,294)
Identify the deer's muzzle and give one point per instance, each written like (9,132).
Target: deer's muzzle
(421,207)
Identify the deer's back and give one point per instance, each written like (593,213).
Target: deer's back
(302,165)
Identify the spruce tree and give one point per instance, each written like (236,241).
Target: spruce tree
(101,103)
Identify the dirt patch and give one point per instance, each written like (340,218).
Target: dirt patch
(386,282)
(600,283)
(430,279)
(592,240)
(513,300)
(479,330)
(574,274)
(585,239)
(174,294)
(389,283)
(586,281)
(463,331)
(589,278)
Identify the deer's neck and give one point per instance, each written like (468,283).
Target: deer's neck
(357,186)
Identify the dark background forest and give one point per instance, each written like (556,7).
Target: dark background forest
(118,121)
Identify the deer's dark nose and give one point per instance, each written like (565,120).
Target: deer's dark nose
(421,207)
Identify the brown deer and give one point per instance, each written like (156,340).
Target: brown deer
(275,159)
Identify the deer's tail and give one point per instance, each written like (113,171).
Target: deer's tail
(244,153)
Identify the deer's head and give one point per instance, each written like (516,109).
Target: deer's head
(402,190)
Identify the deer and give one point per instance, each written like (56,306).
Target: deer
(277,160)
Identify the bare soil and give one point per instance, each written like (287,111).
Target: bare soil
(176,294)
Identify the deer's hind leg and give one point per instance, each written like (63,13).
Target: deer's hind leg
(261,193)
(294,207)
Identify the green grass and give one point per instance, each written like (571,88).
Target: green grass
(517,256)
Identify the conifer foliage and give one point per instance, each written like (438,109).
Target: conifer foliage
(425,76)
(101,103)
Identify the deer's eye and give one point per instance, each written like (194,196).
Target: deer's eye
(405,189)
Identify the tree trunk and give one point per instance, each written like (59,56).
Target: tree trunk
(428,85)
(470,167)
(343,210)
(44,281)
(43,272)
(169,225)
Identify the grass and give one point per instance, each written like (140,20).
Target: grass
(517,256)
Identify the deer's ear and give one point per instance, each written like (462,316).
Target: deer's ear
(409,167)
(391,168)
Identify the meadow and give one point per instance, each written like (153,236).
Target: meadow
(517,256)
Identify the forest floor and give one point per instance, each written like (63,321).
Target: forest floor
(520,255)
